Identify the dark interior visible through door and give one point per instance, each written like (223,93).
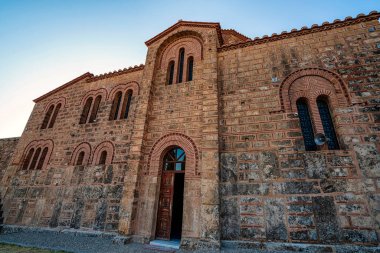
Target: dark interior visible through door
(177,209)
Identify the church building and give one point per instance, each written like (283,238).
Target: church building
(217,138)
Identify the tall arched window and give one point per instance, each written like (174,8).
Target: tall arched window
(27,159)
(116,105)
(103,157)
(95,109)
(175,159)
(327,123)
(171,72)
(35,159)
(55,114)
(190,63)
(86,110)
(42,159)
(126,104)
(48,114)
(306,124)
(181,60)
(80,158)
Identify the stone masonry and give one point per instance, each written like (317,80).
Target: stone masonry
(248,175)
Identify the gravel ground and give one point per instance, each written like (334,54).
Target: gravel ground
(89,243)
(69,242)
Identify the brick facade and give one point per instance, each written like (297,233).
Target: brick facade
(248,175)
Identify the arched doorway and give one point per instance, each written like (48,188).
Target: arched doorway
(170,205)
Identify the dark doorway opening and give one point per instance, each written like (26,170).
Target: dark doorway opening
(177,211)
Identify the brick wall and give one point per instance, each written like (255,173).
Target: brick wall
(7,147)
(272,189)
(62,194)
(248,176)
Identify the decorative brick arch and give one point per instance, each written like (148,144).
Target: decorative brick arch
(48,143)
(134,86)
(312,82)
(94,94)
(166,142)
(84,146)
(55,101)
(104,146)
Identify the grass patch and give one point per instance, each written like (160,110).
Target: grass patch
(10,248)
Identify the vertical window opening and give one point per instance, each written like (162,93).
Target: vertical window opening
(306,125)
(95,109)
(55,114)
(103,157)
(42,159)
(27,159)
(35,159)
(171,73)
(116,106)
(47,117)
(126,104)
(86,110)
(80,158)
(190,63)
(180,65)
(327,123)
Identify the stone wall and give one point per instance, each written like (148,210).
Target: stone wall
(271,188)
(248,175)
(62,194)
(7,147)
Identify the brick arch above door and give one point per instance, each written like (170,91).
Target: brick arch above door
(163,144)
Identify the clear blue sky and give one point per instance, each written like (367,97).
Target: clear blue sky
(45,43)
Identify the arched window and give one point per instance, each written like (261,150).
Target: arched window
(175,159)
(306,124)
(95,109)
(42,159)
(54,117)
(190,63)
(103,157)
(35,159)
(80,158)
(116,106)
(48,114)
(171,72)
(181,60)
(86,110)
(327,123)
(27,159)
(126,104)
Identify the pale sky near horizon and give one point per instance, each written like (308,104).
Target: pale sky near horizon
(46,43)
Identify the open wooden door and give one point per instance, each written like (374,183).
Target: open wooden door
(170,203)
(165,206)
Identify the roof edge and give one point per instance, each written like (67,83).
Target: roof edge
(75,80)
(116,73)
(215,25)
(337,23)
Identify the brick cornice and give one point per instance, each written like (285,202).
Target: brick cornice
(79,78)
(236,34)
(304,31)
(116,73)
(180,23)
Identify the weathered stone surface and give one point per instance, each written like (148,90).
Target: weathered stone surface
(269,165)
(325,218)
(228,167)
(315,165)
(296,188)
(369,159)
(230,219)
(275,224)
